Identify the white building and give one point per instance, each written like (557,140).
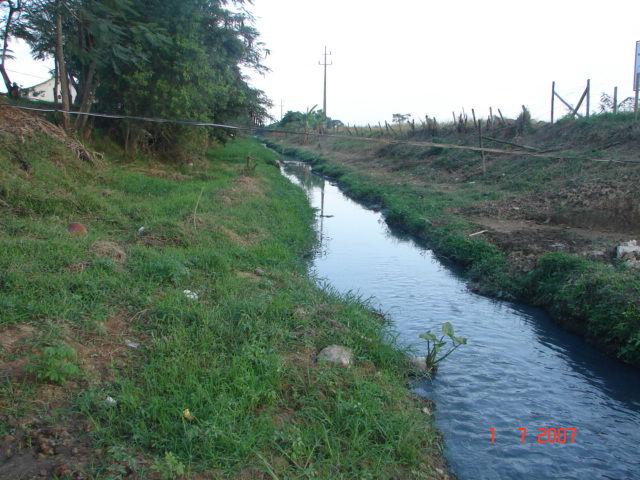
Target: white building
(44,91)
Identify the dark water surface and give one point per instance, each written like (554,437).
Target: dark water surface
(518,370)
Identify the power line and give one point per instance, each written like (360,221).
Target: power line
(27,74)
(196,123)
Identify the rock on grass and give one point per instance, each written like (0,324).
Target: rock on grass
(336,355)
(77,229)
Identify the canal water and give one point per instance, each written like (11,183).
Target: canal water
(519,370)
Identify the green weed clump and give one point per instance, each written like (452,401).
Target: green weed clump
(56,364)
(593,299)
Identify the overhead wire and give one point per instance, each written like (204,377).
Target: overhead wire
(387,141)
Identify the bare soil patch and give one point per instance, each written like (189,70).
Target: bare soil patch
(108,249)
(244,240)
(46,442)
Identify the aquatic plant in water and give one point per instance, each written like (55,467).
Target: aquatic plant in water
(435,346)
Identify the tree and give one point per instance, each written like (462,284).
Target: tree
(62,67)
(154,58)
(9,9)
(400,118)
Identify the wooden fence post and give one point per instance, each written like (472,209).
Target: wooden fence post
(484,165)
(475,123)
(635,105)
(553,98)
(588,97)
(615,100)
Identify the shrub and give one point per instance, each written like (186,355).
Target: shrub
(55,364)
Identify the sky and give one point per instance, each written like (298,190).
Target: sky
(433,57)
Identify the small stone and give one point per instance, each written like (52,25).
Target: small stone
(426,411)
(110,401)
(260,272)
(187,415)
(62,470)
(141,231)
(632,263)
(77,229)
(45,447)
(626,249)
(336,354)
(190,295)
(130,344)
(418,363)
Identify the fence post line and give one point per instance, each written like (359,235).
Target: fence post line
(553,98)
(635,105)
(615,100)
(475,123)
(588,96)
(484,166)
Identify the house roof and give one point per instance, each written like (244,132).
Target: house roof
(33,87)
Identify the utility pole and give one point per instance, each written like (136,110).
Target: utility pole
(281,106)
(324,97)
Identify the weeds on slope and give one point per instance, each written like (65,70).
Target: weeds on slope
(188,312)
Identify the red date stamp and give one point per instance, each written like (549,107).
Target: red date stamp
(546,435)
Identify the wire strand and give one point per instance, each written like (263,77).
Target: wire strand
(196,123)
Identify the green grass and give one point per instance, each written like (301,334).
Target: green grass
(597,301)
(239,358)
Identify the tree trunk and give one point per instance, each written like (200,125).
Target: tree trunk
(62,71)
(5,46)
(88,89)
(56,83)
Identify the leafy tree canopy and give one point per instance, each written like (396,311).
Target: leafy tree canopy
(153,58)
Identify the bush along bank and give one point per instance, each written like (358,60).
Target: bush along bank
(157,321)
(600,302)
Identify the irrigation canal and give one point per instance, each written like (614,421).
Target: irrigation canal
(519,369)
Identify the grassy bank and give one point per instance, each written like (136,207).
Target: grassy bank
(594,299)
(177,338)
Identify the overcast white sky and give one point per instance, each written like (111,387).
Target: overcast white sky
(432,57)
(425,57)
